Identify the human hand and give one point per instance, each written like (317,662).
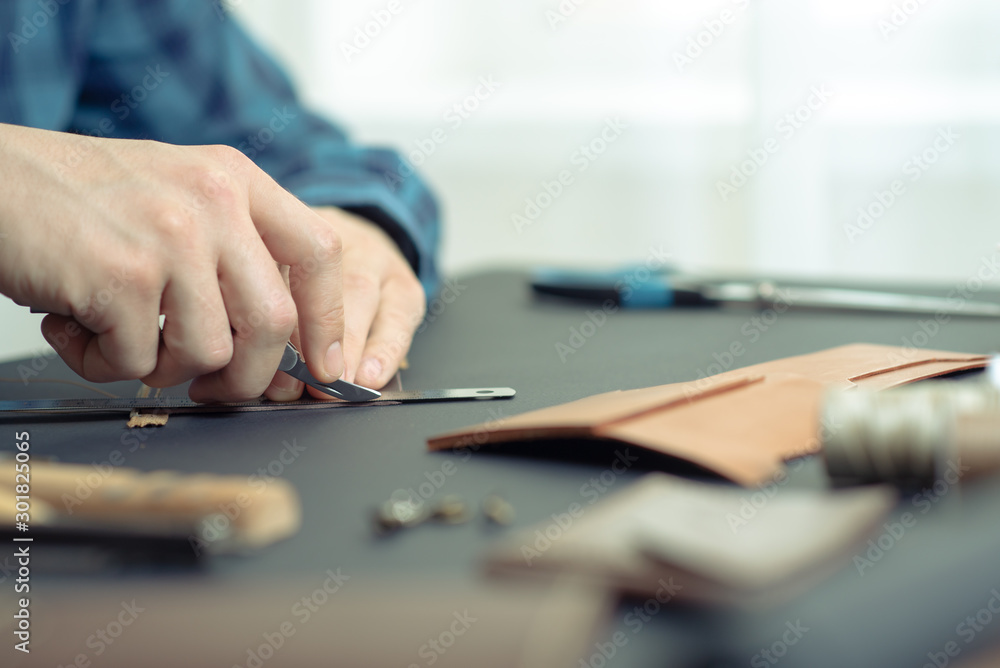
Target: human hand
(383,305)
(111,233)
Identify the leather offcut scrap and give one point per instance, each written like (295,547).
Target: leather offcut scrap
(742,424)
(138,419)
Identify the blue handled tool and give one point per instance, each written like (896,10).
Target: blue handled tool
(629,287)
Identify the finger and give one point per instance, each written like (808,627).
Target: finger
(196,338)
(298,236)
(261,312)
(362,293)
(284,387)
(119,340)
(400,311)
(70,348)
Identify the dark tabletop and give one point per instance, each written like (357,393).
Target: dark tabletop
(494,332)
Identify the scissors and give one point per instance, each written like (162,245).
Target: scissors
(293,364)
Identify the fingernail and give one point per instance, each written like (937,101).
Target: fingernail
(285,383)
(371,369)
(335,360)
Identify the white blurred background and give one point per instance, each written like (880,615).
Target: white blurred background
(702,88)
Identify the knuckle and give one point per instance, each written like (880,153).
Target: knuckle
(215,354)
(221,171)
(136,366)
(227,156)
(329,245)
(174,226)
(331,319)
(273,319)
(215,185)
(281,315)
(142,276)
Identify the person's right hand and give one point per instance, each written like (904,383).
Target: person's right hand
(112,233)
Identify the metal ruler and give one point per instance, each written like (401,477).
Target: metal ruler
(176,405)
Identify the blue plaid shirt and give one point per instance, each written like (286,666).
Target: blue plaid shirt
(184,72)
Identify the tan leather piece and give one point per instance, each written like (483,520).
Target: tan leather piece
(741,424)
(745,433)
(696,538)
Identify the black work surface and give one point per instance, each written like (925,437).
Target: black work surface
(494,333)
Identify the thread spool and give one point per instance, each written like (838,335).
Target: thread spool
(909,436)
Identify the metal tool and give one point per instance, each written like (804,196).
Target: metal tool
(766,294)
(179,405)
(665,289)
(293,364)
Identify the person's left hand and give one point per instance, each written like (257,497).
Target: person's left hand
(383,305)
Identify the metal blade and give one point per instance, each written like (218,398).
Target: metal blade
(844,299)
(292,364)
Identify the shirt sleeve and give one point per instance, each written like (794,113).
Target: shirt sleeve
(185,72)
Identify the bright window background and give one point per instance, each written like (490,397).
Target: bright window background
(687,127)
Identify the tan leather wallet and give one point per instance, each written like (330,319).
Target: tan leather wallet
(742,424)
